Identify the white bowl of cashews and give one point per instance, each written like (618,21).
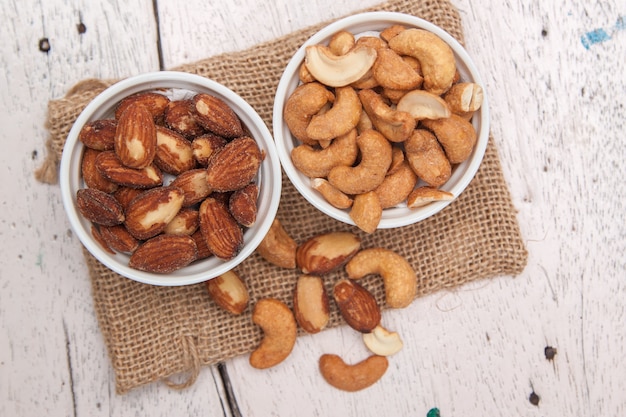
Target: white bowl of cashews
(380,120)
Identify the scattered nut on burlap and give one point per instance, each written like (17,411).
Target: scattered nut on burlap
(164,333)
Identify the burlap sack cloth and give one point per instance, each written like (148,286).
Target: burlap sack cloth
(153,333)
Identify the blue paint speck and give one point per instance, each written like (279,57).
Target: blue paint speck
(602,35)
(433,412)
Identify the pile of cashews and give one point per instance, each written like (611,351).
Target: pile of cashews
(381,120)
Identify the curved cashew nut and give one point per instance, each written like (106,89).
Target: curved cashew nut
(397,186)
(456,134)
(399,278)
(339,70)
(427,159)
(393,124)
(423,105)
(280,331)
(370,172)
(391,71)
(435,56)
(422,196)
(381,341)
(332,195)
(341,42)
(352,377)
(314,162)
(340,119)
(305,101)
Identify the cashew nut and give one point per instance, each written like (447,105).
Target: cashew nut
(422,196)
(306,101)
(391,31)
(371,170)
(352,377)
(341,42)
(391,71)
(340,119)
(397,186)
(280,331)
(435,56)
(366,211)
(314,162)
(331,194)
(423,105)
(394,125)
(381,341)
(277,247)
(464,97)
(456,135)
(427,159)
(339,70)
(397,158)
(398,276)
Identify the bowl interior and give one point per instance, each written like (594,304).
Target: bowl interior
(371,24)
(176,86)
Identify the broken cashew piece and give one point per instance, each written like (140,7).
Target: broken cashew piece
(339,70)
(305,102)
(366,211)
(395,125)
(464,97)
(399,278)
(422,196)
(435,56)
(391,71)
(314,162)
(456,135)
(341,42)
(331,194)
(340,119)
(355,377)
(280,331)
(370,172)
(381,341)
(423,105)
(277,247)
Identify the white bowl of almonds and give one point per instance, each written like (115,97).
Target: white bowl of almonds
(381,120)
(170,178)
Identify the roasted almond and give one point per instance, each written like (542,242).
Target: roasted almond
(310,303)
(99,207)
(95,233)
(235,165)
(194,185)
(91,175)
(203,249)
(119,238)
(174,153)
(223,234)
(205,146)
(149,213)
(135,137)
(357,305)
(164,254)
(155,103)
(126,194)
(326,252)
(186,222)
(243,205)
(178,117)
(229,291)
(111,168)
(215,115)
(99,134)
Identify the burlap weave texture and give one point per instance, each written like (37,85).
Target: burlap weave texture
(153,333)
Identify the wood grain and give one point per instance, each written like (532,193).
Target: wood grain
(553,73)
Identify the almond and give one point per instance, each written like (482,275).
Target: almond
(326,252)
(125,195)
(357,305)
(310,303)
(205,146)
(95,232)
(235,165)
(135,137)
(178,117)
(229,291)
(111,168)
(186,222)
(149,213)
(243,205)
(99,134)
(203,249)
(91,175)
(174,153)
(164,254)
(99,207)
(119,238)
(223,234)
(215,115)
(194,186)
(155,103)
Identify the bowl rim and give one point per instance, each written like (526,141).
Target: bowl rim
(270,173)
(359,23)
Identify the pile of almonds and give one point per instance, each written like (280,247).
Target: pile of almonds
(169,181)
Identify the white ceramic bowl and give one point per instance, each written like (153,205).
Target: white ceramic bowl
(179,85)
(371,24)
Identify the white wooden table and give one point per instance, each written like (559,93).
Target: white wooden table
(555,75)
